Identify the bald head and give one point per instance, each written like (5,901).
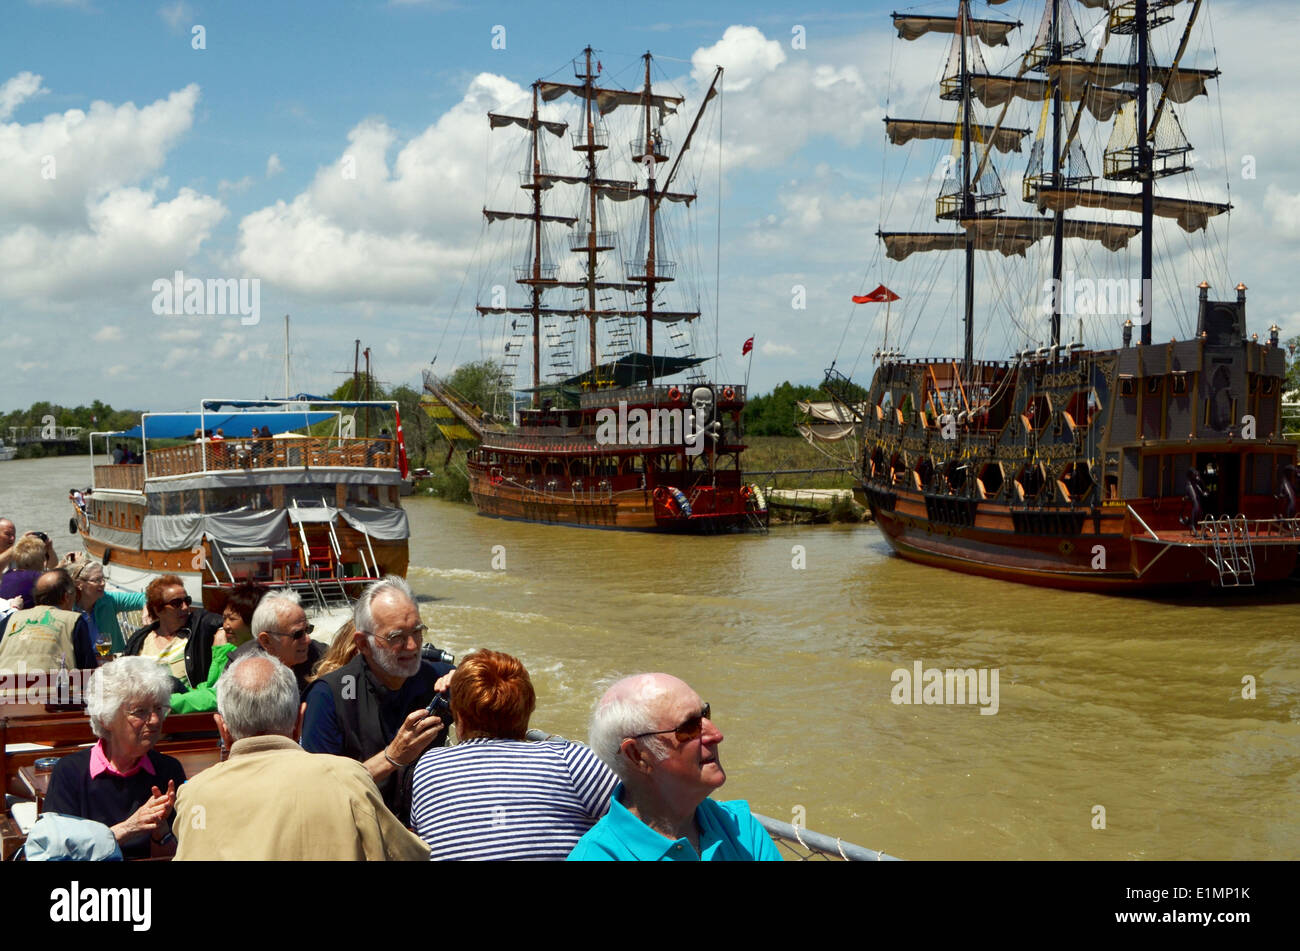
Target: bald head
(55,589)
(7,534)
(632,706)
(258,696)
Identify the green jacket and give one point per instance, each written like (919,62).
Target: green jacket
(203,698)
(105,614)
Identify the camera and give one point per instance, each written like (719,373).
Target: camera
(436,655)
(42,536)
(440,707)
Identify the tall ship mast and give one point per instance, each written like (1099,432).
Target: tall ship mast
(610,433)
(1143,466)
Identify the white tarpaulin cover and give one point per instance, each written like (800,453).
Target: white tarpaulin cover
(385,524)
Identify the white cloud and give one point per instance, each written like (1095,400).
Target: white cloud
(744,54)
(107,333)
(130,238)
(18,90)
(1285,208)
(178,15)
(78,226)
(771,349)
(274,166)
(370,229)
(238,188)
(92,152)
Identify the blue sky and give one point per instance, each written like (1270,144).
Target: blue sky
(127,154)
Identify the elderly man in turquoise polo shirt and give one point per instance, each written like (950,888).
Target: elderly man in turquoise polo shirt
(656,734)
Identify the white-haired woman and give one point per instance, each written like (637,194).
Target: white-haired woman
(101,606)
(120,780)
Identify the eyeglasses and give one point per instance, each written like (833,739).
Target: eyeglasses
(298,634)
(143,714)
(398,638)
(186,601)
(685,731)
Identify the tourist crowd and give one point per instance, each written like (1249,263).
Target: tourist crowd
(343,753)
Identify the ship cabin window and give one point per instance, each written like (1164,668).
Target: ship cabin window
(1127,385)
(877,464)
(1112,487)
(1153,385)
(1078,480)
(1038,412)
(1178,383)
(1032,479)
(1267,385)
(371,495)
(1083,407)
(991,476)
(955,472)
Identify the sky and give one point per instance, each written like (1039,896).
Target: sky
(331,160)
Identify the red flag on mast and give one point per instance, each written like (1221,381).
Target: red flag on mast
(404,467)
(749,345)
(881,295)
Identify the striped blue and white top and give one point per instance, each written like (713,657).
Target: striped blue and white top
(508,799)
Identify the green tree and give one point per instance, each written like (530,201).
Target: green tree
(775,413)
(480,382)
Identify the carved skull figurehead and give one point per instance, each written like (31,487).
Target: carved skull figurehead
(702,400)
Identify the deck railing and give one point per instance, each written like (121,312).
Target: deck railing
(129,477)
(281,453)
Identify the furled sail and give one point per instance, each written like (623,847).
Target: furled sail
(626,191)
(1190,215)
(990,32)
(1181,84)
(902,131)
(494,216)
(498,121)
(994,91)
(607,100)
(1013,231)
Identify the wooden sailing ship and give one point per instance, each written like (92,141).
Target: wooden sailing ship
(1152,464)
(636,440)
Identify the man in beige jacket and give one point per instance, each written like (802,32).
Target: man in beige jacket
(271,799)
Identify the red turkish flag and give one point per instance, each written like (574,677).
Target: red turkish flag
(749,345)
(881,295)
(404,467)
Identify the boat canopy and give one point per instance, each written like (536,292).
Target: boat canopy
(634,368)
(236,425)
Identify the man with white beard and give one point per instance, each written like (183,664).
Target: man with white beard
(372,709)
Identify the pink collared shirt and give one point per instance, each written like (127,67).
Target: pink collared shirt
(100,763)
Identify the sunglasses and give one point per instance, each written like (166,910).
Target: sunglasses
(685,731)
(298,634)
(178,602)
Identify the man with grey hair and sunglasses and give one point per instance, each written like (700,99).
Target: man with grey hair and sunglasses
(659,738)
(280,628)
(373,708)
(271,800)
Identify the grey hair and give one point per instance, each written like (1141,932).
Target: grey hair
(126,680)
(258,696)
(617,718)
(266,616)
(362,619)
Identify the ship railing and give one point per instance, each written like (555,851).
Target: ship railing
(128,477)
(804,845)
(659,394)
(1254,528)
(274,453)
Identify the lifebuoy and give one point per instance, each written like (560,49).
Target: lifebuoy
(674,394)
(728,393)
(746,492)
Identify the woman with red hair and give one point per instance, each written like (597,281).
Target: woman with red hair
(496,794)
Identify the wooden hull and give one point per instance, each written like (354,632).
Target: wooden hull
(1110,551)
(629,510)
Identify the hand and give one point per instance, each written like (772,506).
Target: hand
(417,731)
(443,683)
(152,815)
(220,637)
